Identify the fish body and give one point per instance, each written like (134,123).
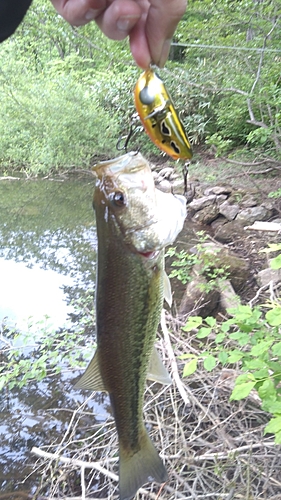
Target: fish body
(134,223)
(159,116)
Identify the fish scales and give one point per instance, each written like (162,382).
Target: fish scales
(134,223)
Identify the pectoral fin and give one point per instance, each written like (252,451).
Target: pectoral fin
(156,370)
(91,379)
(167,289)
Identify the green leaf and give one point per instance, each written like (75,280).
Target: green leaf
(219,338)
(276,262)
(261,347)
(274,316)
(211,321)
(190,368)
(267,390)
(223,357)
(273,426)
(235,356)
(241,313)
(187,356)
(193,323)
(277,439)
(276,349)
(272,406)
(241,337)
(241,391)
(210,363)
(203,332)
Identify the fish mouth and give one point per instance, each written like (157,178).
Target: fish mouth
(152,254)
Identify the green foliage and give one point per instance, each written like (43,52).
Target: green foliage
(275,194)
(66,92)
(207,264)
(42,351)
(251,339)
(275,263)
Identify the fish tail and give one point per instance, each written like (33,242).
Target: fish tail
(141,467)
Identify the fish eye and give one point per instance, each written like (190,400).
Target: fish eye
(118,199)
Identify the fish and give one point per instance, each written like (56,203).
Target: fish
(135,221)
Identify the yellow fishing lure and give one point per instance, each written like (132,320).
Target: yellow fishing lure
(159,116)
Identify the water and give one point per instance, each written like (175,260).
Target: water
(47,261)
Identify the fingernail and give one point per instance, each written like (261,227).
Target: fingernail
(91,14)
(126,23)
(165,53)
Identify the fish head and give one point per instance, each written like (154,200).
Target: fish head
(125,194)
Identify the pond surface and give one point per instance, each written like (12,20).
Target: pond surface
(47,260)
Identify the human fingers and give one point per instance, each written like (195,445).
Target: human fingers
(119,18)
(79,12)
(158,27)
(115,18)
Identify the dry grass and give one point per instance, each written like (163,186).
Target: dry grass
(212,449)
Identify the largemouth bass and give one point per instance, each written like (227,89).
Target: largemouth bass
(135,221)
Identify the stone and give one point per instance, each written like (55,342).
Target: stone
(218,190)
(219,221)
(250,200)
(228,298)
(221,198)
(250,215)
(206,215)
(229,211)
(198,299)
(229,232)
(265,276)
(236,268)
(202,202)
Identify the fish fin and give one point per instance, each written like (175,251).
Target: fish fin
(91,379)
(167,289)
(142,467)
(156,370)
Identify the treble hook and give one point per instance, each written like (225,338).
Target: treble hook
(134,127)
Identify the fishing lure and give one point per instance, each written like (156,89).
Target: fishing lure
(159,116)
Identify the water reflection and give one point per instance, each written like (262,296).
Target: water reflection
(31,291)
(47,262)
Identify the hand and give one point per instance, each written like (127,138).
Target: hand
(150,24)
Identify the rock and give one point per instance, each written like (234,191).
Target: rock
(250,215)
(218,190)
(221,198)
(216,257)
(229,211)
(219,221)
(198,299)
(164,186)
(250,200)
(228,298)
(229,232)
(206,215)
(203,202)
(265,276)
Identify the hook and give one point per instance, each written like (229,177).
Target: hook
(133,129)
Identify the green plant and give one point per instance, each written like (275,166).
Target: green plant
(275,194)
(206,261)
(251,339)
(275,263)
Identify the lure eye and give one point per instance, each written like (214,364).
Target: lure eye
(146,96)
(118,199)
